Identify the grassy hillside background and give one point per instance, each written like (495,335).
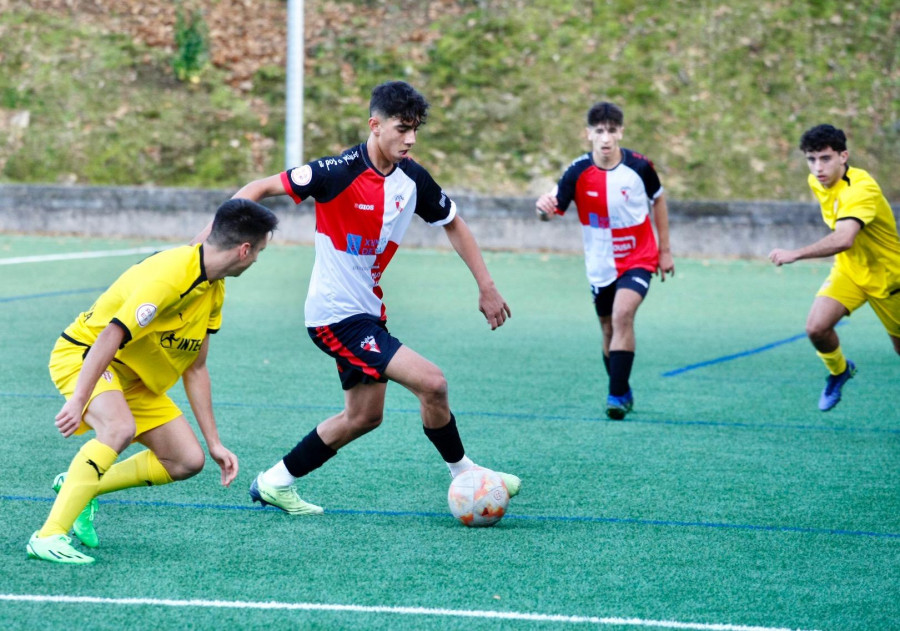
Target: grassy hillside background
(716,93)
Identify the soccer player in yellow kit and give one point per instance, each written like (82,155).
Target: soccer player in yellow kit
(116,361)
(866,251)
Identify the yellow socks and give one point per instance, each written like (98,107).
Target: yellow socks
(142,469)
(82,479)
(834,361)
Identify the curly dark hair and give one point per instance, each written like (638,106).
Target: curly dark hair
(399,99)
(822,137)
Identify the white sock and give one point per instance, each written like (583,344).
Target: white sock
(278,475)
(458,467)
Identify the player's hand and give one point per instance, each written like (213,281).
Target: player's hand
(666,265)
(227,462)
(546,206)
(69,417)
(781,257)
(493,306)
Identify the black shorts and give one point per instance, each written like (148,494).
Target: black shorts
(361,346)
(634,279)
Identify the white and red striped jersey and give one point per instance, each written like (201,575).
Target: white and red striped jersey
(614,211)
(361,217)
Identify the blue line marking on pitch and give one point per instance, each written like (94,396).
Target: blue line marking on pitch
(726,358)
(554,518)
(51,294)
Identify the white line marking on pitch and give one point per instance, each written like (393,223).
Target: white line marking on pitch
(409,611)
(43,258)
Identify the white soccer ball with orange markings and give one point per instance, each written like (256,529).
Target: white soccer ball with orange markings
(478,497)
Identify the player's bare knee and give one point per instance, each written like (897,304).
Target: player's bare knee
(817,332)
(606,330)
(435,401)
(622,320)
(188,465)
(117,435)
(434,386)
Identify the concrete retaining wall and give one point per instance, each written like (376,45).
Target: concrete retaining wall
(702,229)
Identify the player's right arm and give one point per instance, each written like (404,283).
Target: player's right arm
(96,361)
(556,201)
(547,205)
(259,189)
(845,231)
(254,191)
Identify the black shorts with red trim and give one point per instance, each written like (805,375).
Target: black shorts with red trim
(361,347)
(635,279)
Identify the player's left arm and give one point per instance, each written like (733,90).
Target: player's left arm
(198,387)
(490,302)
(661,219)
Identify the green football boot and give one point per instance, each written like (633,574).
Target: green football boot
(84,524)
(513,483)
(56,549)
(283,497)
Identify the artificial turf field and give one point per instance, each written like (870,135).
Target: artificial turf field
(725,501)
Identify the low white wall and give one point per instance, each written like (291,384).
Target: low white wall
(703,229)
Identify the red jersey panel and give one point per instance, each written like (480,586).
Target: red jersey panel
(614,211)
(361,217)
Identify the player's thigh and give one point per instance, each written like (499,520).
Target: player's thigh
(174,442)
(888,311)
(414,372)
(837,288)
(626,304)
(365,401)
(111,411)
(110,416)
(631,289)
(824,314)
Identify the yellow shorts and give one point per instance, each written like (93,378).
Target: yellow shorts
(838,286)
(149,408)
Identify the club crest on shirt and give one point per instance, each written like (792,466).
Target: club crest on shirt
(302,176)
(369,344)
(145,313)
(398,202)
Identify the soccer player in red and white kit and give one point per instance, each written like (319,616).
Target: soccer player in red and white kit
(614,189)
(365,199)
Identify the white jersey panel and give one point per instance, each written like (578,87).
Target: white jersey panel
(340,285)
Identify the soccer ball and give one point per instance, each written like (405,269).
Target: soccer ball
(478,497)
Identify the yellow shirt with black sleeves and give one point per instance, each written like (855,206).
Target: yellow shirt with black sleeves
(873,261)
(166,306)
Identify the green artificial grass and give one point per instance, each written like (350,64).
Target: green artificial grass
(726,497)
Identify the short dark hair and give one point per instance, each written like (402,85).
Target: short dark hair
(240,221)
(821,137)
(605,112)
(399,99)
